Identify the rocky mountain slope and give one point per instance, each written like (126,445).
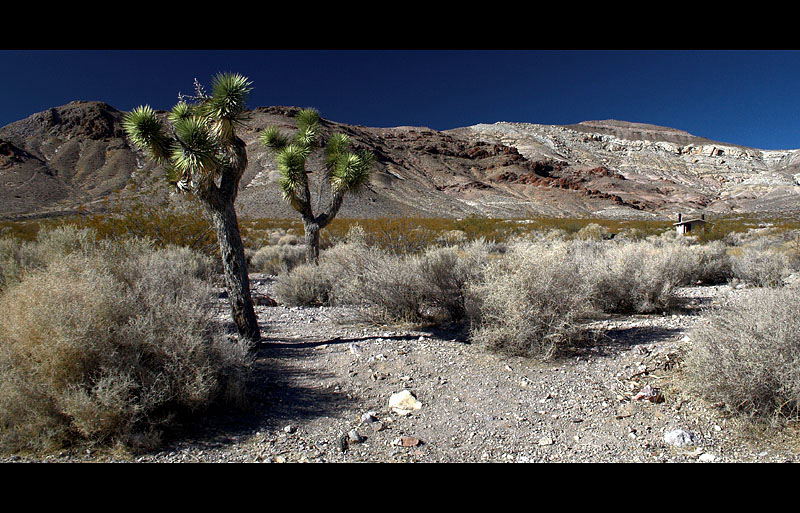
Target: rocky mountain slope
(76,154)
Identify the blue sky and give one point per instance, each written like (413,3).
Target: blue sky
(750,98)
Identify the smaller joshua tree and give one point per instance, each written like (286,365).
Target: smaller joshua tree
(204,157)
(345,171)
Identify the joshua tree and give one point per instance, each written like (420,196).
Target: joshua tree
(203,156)
(344,170)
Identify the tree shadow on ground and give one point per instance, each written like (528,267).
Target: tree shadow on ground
(611,341)
(304,343)
(456,332)
(279,394)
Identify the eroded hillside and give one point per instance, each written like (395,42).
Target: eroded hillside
(56,160)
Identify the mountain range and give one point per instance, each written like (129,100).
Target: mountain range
(75,155)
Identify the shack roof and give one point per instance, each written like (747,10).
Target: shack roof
(688,221)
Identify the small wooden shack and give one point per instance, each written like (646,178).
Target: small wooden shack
(684,226)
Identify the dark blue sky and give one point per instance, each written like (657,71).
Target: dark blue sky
(750,98)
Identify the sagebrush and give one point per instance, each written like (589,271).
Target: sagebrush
(747,355)
(110,343)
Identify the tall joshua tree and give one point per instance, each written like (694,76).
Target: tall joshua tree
(345,171)
(204,157)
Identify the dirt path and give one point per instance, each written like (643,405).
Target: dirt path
(323,375)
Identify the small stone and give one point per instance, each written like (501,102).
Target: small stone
(289,429)
(369,417)
(403,403)
(679,438)
(546,441)
(355,437)
(407,441)
(707,457)
(342,442)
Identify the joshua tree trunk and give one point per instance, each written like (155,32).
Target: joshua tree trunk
(311,227)
(220,200)
(234,264)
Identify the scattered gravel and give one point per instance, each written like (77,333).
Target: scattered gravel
(325,381)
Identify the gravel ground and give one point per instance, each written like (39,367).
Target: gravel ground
(325,381)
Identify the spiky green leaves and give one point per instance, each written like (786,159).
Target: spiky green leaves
(351,171)
(227,105)
(228,96)
(199,147)
(338,144)
(347,171)
(291,161)
(145,130)
(194,156)
(307,121)
(306,118)
(181,110)
(271,137)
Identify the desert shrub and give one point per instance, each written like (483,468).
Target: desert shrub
(328,283)
(635,277)
(529,301)
(747,354)
(592,231)
(631,234)
(760,265)
(289,239)
(641,276)
(277,259)
(453,237)
(11,261)
(428,287)
(19,256)
(356,235)
(390,287)
(445,274)
(167,221)
(111,346)
(305,285)
(711,263)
